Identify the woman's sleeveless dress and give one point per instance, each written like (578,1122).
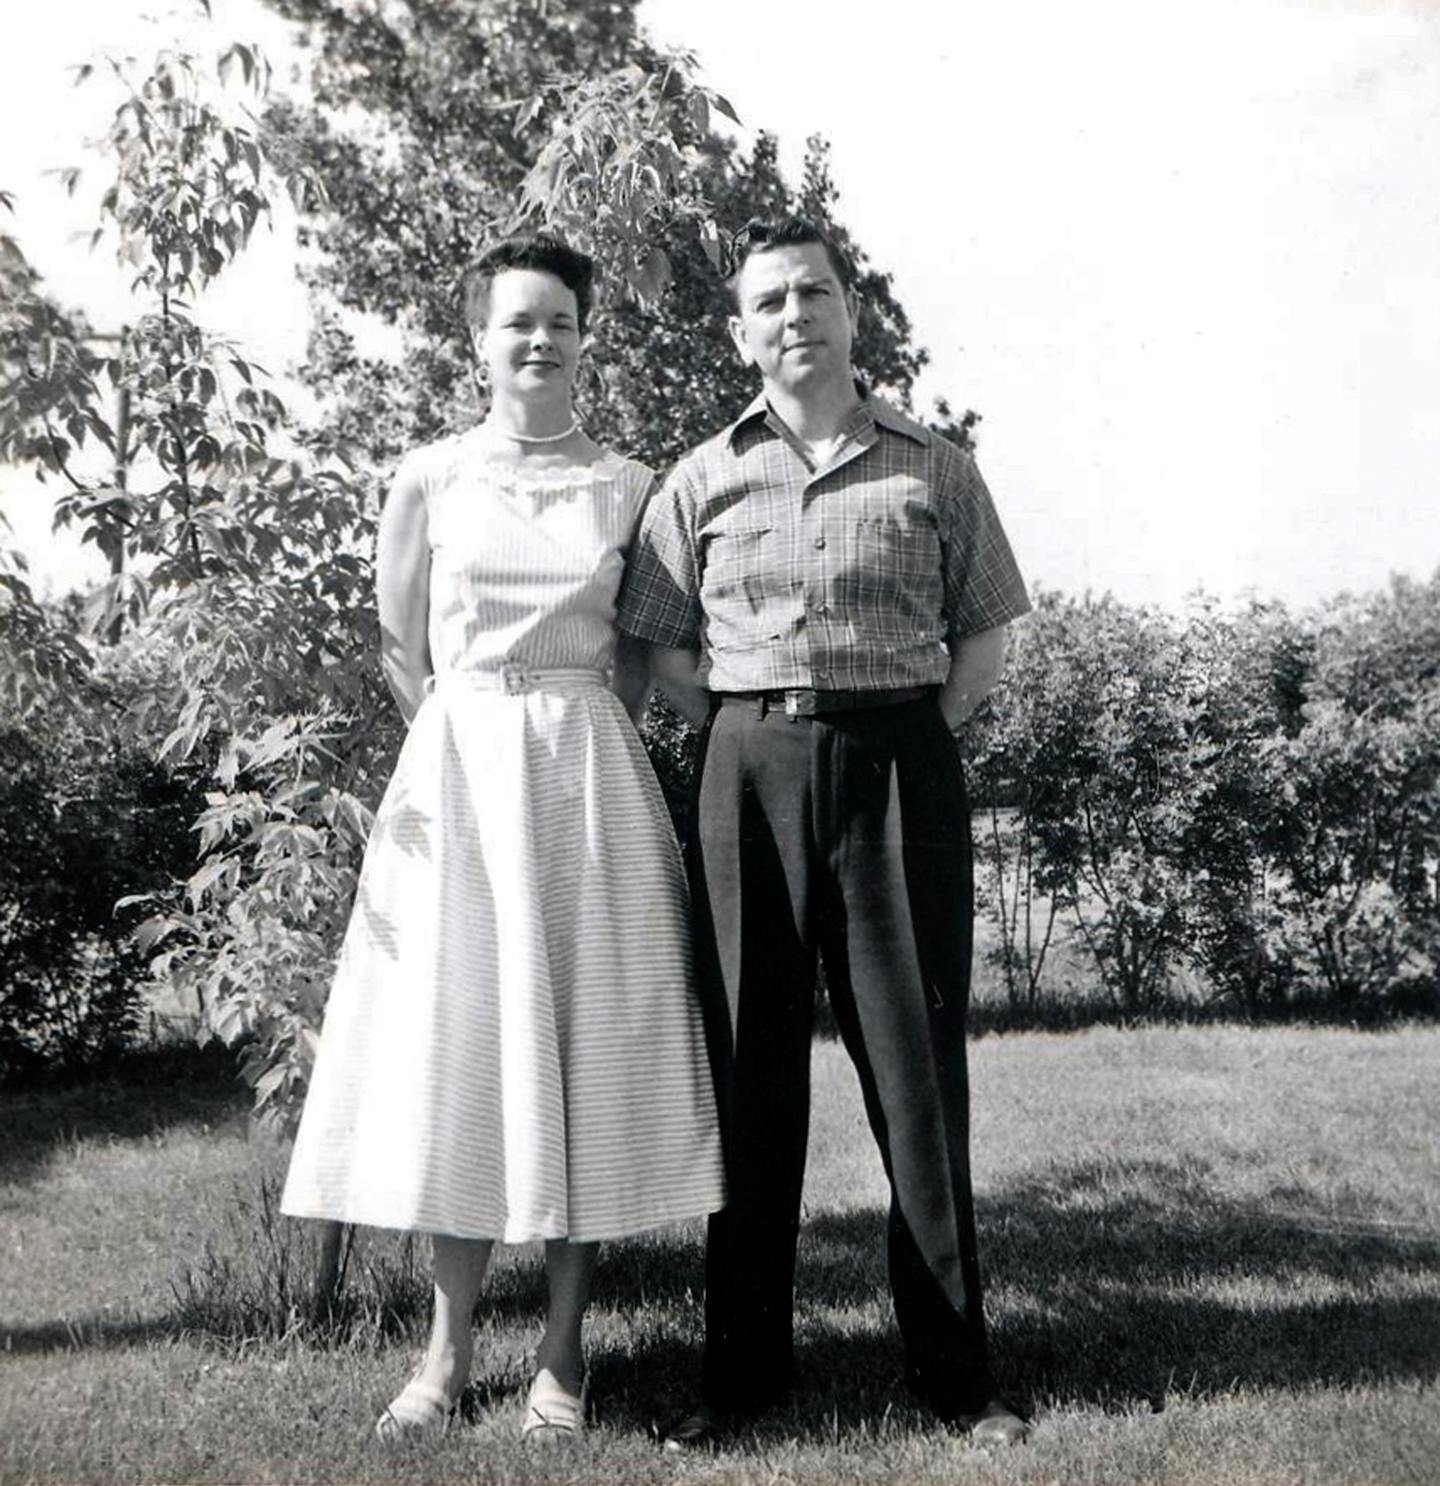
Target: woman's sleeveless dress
(513,1048)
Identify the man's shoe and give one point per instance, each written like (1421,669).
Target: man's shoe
(700,1429)
(997,1424)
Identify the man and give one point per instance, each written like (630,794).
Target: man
(836,578)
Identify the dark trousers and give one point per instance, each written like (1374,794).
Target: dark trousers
(847,834)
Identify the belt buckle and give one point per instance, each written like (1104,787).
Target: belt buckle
(514,679)
(792,704)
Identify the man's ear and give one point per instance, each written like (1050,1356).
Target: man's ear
(742,345)
(852,303)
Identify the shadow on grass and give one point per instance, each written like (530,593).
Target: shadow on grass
(144,1093)
(94,1334)
(1112,1284)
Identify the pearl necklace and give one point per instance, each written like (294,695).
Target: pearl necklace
(538,438)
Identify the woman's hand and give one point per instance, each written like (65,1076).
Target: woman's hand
(402,589)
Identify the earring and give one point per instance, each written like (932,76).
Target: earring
(479,374)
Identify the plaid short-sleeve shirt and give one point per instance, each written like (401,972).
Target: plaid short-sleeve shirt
(857,575)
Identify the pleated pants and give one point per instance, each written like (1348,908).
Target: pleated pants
(846,835)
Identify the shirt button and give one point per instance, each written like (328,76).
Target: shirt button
(819,607)
(819,544)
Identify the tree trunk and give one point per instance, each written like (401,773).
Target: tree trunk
(330,1271)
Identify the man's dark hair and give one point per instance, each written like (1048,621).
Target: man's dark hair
(542,251)
(760,234)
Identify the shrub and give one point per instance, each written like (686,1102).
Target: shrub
(85,819)
(1091,731)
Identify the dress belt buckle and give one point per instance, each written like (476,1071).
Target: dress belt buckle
(792,705)
(514,679)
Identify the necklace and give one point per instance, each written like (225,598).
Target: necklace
(539,438)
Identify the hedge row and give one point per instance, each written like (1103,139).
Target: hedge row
(1246,800)
(1250,797)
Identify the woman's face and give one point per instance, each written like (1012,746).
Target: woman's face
(530,341)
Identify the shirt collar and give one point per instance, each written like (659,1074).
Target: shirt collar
(871,411)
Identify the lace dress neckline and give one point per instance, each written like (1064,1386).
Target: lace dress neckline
(567,472)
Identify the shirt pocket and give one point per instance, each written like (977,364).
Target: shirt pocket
(899,551)
(892,573)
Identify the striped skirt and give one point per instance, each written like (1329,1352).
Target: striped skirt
(513,1047)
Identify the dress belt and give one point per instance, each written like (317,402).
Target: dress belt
(802,702)
(514,679)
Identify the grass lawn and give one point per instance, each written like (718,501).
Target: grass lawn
(1213,1256)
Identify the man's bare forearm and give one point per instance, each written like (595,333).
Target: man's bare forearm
(975,665)
(676,673)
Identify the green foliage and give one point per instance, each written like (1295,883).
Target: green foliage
(1356,828)
(411,122)
(86,820)
(431,124)
(1255,794)
(257,1277)
(241,584)
(240,569)
(1093,725)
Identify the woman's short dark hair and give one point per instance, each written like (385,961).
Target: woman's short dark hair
(542,251)
(760,234)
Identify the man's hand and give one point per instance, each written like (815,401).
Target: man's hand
(975,665)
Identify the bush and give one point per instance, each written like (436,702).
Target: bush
(1092,732)
(85,819)
(1252,794)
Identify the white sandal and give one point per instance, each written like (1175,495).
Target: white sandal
(418,1409)
(553,1412)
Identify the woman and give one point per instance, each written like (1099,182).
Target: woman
(511,1049)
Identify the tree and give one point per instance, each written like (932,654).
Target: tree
(435,128)
(427,123)
(47,381)
(241,575)
(241,567)
(87,820)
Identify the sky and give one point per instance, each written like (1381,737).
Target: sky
(1184,258)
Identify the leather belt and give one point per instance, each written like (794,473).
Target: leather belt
(801,702)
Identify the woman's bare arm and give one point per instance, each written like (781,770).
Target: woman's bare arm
(632,683)
(402,587)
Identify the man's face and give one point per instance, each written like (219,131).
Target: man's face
(795,323)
